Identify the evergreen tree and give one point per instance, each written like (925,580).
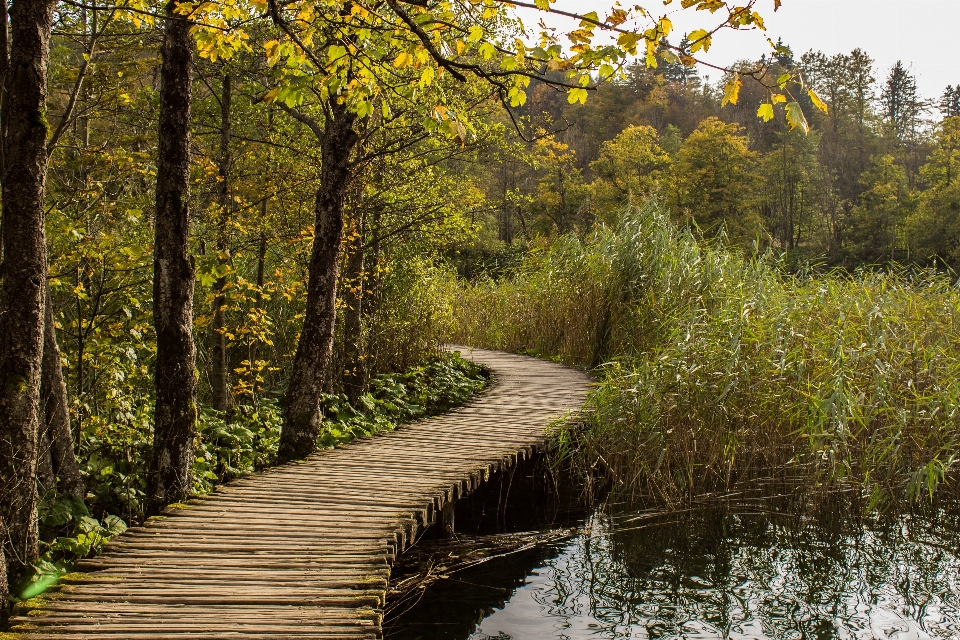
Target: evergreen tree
(902,106)
(950,101)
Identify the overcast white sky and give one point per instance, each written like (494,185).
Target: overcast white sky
(922,33)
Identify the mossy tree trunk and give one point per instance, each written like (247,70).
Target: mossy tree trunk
(24,274)
(302,419)
(169,478)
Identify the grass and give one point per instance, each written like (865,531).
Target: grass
(720,370)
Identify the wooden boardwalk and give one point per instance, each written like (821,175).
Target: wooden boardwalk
(304,550)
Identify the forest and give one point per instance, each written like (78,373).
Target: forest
(868,184)
(234,232)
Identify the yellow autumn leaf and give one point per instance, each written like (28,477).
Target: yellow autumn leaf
(699,39)
(817,102)
(731,90)
(665,26)
(577,95)
(628,42)
(271,95)
(765,111)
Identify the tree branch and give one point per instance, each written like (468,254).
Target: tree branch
(67,117)
(304,119)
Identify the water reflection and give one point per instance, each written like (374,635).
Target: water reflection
(722,571)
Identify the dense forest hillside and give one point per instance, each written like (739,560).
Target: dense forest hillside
(871,182)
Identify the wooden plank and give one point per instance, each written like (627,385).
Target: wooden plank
(304,550)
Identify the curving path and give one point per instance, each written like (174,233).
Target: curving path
(304,550)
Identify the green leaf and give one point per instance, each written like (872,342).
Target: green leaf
(518,97)
(669,57)
(795,117)
(487,50)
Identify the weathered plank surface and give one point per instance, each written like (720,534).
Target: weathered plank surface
(304,550)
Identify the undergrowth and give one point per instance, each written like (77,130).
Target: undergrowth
(720,370)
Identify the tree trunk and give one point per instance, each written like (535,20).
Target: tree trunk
(24,275)
(56,412)
(302,419)
(252,351)
(169,479)
(46,478)
(373,284)
(220,370)
(353,377)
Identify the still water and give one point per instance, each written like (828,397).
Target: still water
(714,571)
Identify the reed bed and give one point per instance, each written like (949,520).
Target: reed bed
(718,370)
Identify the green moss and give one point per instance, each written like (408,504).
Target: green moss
(40,118)
(73,577)
(18,384)
(370,613)
(26,607)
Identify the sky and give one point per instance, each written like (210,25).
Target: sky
(924,34)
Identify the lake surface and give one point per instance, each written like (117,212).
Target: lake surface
(714,571)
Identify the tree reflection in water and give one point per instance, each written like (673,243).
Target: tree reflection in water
(716,571)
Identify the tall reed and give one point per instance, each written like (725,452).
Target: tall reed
(718,370)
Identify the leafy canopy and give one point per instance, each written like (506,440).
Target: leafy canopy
(371,54)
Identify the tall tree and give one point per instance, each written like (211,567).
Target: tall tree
(173,275)
(219,365)
(58,439)
(876,230)
(632,165)
(23,178)
(302,418)
(901,104)
(950,101)
(717,181)
(863,95)
(934,229)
